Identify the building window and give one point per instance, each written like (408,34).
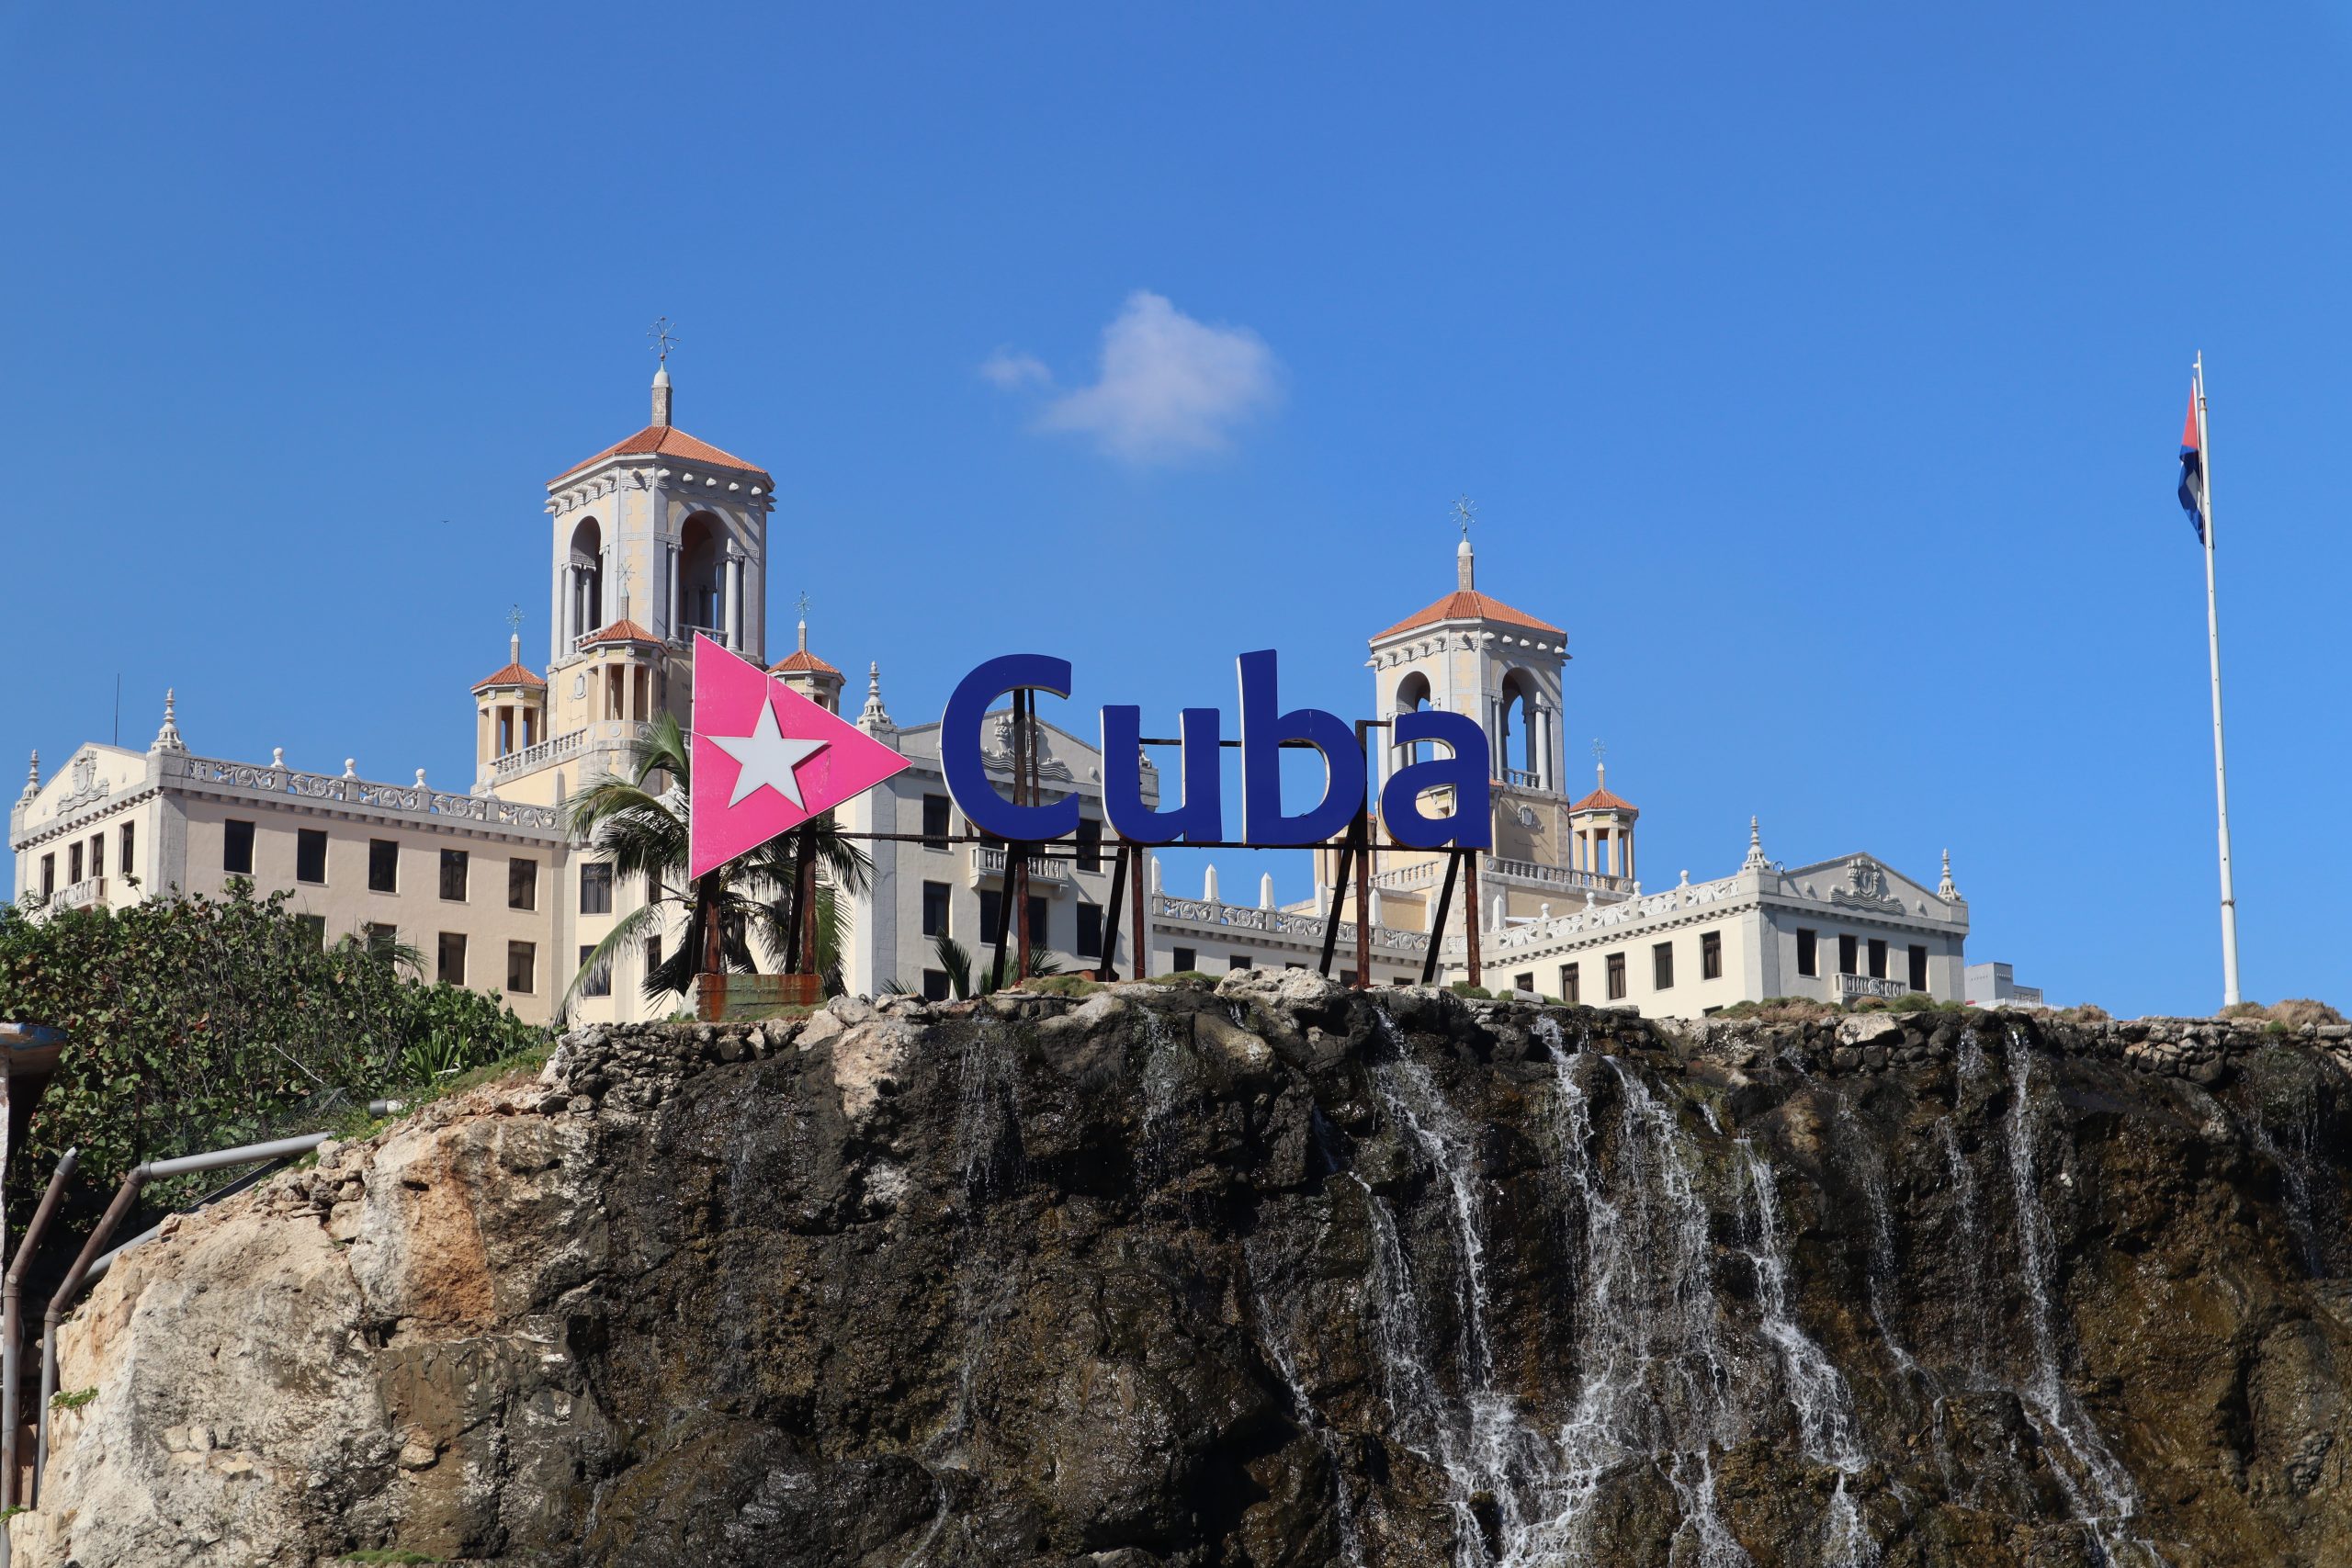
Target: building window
(936,987)
(1348,978)
(1184,959)
(522,884)
(122,860)
(1616,977)
(992,901)
(521,967)
(383,866)
(1847,946)
(1523,982)
(1878,958)
(453,874)
(49,876)
(935,910)
(316,925)
(1918,968)
(652,954)
(596,888)
(1571,988)
(382,939)
(1662,967)
(935,821)
(310,854)
(1808,953)
(97,854)
(74,863)
(1710,956)
(236,848)
(1037,937)
(1089,931)
(1238,961)
(451,970)
(599,980)
(1089,844)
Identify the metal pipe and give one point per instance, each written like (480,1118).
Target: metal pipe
(125,1196)
(11,1325)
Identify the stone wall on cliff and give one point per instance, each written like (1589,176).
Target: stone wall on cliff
(1273,1275)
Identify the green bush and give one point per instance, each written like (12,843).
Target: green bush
(1476,993)
(196,1023)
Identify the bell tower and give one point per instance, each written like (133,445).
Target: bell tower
(664,532)
(1470,653)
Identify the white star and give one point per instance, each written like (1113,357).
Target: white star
(767,758)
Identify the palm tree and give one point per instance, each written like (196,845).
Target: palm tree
(640,821)
(955,963)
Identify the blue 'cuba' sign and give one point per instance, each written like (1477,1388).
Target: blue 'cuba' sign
(1199,815)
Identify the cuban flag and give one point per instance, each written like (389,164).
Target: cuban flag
(2192,471)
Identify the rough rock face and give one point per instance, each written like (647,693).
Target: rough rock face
(1272,1276)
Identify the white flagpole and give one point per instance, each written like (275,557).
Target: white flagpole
(2213,649)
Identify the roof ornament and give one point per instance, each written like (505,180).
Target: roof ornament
(515,634)
(1466,575)
(875,715)
(1599,763)
(1755,860)
(32,777)
(1945,889)
(664,340)
(804,620)
(168,737)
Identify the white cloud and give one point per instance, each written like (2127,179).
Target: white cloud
(1009,369)
(1169,387)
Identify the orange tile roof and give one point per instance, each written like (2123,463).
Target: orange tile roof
(619,631)
(1467,605)
(663,441)
(1601,800)
(802,659)
(513,675)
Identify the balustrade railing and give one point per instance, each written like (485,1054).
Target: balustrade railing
(1870,986)
(531,758)
(988,861)
(415,800)
(1279,922)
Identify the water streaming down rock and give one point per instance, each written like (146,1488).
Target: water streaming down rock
(2112,1501)
(1484,1285)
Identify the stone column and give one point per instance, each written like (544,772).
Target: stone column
(733,573)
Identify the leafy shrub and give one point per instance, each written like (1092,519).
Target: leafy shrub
(74,1400)
(1193,978)
(2297,1011)
(1061,985)
(1476,993)
(196,1023)
(1781,1009)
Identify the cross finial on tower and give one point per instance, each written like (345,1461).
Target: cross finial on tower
(1466,512)
(1600,761)
(803,603)
(515,634)
(664,340)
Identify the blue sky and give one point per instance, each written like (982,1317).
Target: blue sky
(1819,368)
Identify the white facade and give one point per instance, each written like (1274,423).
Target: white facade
(662,536)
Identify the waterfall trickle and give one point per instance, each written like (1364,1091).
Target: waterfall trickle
(2109,1513)
(1816,1391)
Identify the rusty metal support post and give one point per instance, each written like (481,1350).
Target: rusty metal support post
(1437,925)
(12,1324)
(1140,941)
(1104,961)
(1339,902)
(804,908)
(1470,907)
(1364,901)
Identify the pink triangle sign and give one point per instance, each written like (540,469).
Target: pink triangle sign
(767,758)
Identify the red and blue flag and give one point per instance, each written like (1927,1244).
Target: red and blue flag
(2192,471)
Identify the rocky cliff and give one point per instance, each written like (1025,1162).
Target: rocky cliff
(1272,1275)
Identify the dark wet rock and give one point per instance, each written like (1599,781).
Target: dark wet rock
(1268,1276)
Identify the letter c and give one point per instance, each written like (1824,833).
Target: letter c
(966,770)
